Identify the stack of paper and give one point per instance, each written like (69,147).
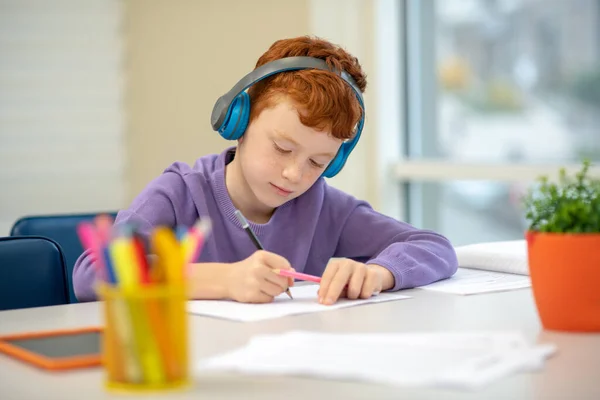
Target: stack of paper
(451,360)
(506,256)
(468,281)
(305,301)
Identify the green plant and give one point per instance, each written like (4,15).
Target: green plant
(570,205)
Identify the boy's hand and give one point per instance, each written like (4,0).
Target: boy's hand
(352,279)
(253,281)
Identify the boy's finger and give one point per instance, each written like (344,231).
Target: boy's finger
(344,293)
(328,275)
(338,283)
(271,289)
(356,283)
(281,281)
(262,297)
(371,286)
(275,261)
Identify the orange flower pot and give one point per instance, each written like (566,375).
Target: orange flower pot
(565,278)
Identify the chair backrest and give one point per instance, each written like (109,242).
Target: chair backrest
(62,228)
(32,273)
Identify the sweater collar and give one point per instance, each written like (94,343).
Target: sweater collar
(224,200)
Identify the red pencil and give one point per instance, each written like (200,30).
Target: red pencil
(140,255)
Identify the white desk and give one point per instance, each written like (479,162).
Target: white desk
(574,373)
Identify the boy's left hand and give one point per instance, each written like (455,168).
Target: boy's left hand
(352,279)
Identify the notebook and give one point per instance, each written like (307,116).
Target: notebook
(467,281)
(503,256)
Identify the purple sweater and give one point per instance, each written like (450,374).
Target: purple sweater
(308,231)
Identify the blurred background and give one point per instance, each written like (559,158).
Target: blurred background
(468,100)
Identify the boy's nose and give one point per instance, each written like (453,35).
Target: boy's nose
(293,172)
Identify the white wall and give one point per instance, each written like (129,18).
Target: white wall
(181,56)
(349,24)
(369,30)
(61,115)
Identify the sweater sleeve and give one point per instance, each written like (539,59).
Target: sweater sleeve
(414,256)
(164,202)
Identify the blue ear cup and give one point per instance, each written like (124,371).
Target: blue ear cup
(346,148)
(237,118)
(338,162)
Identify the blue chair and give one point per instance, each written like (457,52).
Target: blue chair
(32,273)
(62,228)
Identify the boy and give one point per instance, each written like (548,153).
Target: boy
(298,122)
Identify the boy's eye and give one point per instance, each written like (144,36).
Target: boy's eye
(279,149)
(316,164)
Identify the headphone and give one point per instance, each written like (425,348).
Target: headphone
(231,112)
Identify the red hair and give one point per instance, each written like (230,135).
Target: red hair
(324,100)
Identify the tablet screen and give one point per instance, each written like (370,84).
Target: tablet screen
(60,346)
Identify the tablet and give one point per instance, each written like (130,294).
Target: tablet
(56,350)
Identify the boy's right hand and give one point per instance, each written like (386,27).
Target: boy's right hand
(253,280)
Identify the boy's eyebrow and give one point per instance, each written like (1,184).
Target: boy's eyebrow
(329,155)
(286,137)
(289,139)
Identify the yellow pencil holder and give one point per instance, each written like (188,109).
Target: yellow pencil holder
(145,339)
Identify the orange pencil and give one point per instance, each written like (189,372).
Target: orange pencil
(155,314)
(170,257)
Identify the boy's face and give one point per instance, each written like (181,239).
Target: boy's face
(280,157)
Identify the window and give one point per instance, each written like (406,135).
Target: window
(497,93)
(518,81)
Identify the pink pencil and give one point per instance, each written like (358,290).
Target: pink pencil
(89,239)
(199,233)
(297,275)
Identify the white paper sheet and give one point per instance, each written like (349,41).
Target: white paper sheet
(458,360)
(305,301)
(503,256)
(468,281)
